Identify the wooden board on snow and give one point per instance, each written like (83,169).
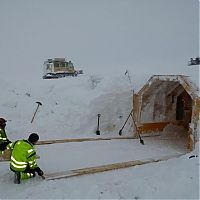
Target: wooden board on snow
(44,142)
(79,140)
(103,168)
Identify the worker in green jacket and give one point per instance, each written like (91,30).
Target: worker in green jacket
(5,143)
(23,159)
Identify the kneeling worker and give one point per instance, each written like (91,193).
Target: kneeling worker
(5,143)
(23,159)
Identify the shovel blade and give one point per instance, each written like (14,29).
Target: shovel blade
(98,132)
(142,141)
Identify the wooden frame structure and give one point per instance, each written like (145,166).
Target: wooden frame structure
(168,99)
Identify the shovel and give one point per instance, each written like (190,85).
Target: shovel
(141,140)
(98,131)
(120,131)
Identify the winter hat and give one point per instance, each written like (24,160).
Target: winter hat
(33,137)
(2,121)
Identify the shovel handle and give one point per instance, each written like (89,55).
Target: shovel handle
(35,113)
(136,128)
(120,132)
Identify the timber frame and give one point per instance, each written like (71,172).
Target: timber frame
(168,99)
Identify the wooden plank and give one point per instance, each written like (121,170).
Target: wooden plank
(157,126)
(152,127)
(45,142)
(103,168)
(79,140)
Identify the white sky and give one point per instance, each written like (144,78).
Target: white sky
(155,35)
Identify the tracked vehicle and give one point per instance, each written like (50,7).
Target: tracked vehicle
(58,68)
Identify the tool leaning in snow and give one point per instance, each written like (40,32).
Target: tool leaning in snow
(136,128)
(137,131)
(120,131)
(98,131)
(38,104)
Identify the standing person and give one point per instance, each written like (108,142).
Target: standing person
(5,143)
(23,159)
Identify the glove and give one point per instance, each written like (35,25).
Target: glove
(9,141)
(3,145)
(39,171)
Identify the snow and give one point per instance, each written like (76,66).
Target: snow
(175,178)
(70,105)
(69,110)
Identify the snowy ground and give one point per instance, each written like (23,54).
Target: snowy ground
(69,110)
(172,179)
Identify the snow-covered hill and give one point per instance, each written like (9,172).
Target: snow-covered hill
(69,106)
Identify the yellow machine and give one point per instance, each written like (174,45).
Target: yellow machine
(58,68)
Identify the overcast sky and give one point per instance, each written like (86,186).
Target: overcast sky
(158,36)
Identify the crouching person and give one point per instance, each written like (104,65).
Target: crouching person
(5,143)
(23,159)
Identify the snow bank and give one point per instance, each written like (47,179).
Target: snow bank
(69,106)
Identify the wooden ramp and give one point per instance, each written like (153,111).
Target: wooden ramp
(103,168)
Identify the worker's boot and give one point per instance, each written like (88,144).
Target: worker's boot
(17,178)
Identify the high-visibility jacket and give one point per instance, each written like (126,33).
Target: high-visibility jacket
(4,142)
(3,136)
(23,156)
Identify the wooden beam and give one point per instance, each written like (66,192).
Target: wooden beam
(45,142)
(175,87)
(103,168)
(79,140)
(153,127)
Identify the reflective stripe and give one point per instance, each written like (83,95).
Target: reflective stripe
(30,150)
(30,175)
(3,138)
(9,146)
(18,162)
(32,164)
(17,166)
